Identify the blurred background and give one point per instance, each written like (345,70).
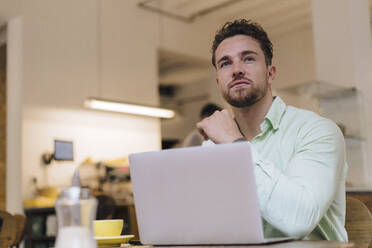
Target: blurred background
(56,54)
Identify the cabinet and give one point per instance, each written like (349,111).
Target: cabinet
(343,105)
(37,228)
(35,234)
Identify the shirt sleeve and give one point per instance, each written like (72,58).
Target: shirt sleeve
(295,199)
(193,139)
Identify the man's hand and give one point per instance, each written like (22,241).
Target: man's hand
(219,127)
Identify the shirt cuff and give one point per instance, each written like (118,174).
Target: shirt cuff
(208,143)
(239,140)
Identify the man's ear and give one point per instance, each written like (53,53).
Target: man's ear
(271,74)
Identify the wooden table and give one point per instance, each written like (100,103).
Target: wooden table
(291,244)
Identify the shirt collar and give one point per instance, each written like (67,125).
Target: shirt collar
(275,114)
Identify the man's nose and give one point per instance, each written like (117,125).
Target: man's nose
(238,71)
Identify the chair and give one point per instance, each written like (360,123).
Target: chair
(21,223)
(8,229)
(358,223)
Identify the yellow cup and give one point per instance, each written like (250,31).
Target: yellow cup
(106,228)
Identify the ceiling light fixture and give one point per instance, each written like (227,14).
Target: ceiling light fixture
(128,108)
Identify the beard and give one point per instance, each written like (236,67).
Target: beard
(245,97)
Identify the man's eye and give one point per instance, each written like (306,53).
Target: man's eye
(249,59)
(223,64)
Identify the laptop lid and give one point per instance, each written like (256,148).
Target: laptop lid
(196,195)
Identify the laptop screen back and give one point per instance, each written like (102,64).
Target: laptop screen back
(196,195)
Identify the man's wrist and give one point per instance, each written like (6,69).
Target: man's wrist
(239,140)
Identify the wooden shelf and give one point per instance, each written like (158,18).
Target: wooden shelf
(40,238)
(45,211)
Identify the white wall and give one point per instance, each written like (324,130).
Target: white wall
(95,134)
(14,92)
(294,58)
(193,39)
(63,46)
(9,9)
(60,52)
(130,43)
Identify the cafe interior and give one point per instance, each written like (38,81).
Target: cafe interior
(61,59)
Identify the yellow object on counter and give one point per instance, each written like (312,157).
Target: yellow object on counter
(49,192)
(39,202)
(120,162)
(106,228)
(114,241)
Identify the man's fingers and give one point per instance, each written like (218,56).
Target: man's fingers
(225,112)
(205,136)
(200,127)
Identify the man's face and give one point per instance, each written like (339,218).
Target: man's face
(242,74)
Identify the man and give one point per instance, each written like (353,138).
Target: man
(298,156)
(194,138)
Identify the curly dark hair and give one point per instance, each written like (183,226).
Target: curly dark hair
(245,27)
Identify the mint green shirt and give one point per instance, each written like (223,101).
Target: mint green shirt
(300,171)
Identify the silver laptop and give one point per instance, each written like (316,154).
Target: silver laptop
(197,195)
